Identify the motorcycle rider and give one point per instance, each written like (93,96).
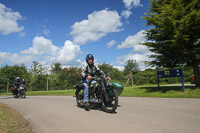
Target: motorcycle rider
(89,70)
(16,84)
(24,83)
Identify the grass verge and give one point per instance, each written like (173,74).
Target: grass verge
(12,121)
(136,91)
(163,91)
(52,92)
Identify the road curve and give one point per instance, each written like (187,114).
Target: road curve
(59,114)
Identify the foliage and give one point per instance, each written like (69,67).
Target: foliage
(149,76)
(56,67)
(9,73)
(131,66)
(38,78)
(175,35)
(66,78)
(114,73)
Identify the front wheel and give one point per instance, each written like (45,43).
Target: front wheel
(15,94)
(24,95)
(79,98)
(110,105)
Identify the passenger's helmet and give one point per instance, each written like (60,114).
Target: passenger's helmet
(17,79)
(89,56)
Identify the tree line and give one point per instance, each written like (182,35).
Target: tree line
(39,78)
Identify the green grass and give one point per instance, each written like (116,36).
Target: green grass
(52,92)
(12,121)
(163,91)
(7,123)
(136,91)
(48,93)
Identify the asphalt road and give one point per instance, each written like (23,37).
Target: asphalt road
(59,114)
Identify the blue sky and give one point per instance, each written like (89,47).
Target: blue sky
(65,31)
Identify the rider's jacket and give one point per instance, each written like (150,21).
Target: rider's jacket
(92,70)
(16,83)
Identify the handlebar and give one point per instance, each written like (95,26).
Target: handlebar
(99,78)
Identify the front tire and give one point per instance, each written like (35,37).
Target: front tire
(24,95)
(110,105)
(79,98)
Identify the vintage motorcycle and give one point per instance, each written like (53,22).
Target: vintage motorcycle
(101,94)
(19,91)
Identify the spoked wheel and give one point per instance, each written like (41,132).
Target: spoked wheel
(79,98)
(110,105)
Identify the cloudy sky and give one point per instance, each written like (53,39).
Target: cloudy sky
(65,31)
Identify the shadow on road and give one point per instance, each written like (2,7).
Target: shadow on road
(10,97)
(96,108)
(6,97)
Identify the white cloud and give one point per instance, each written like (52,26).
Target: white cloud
(140,59)
(111,43)
(129,4)
(68,53)
(134,42)
(46,31)
(121,68)
(126,13)
(45,51)
(140,52)
(8,20)
(98,24)
(41,46)
(23,34)
(6,57)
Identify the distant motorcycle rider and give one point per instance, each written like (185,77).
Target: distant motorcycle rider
(24,83)
(16,84)
(89,70)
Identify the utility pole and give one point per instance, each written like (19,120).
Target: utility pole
(131,79)
(7,86)
(47,83)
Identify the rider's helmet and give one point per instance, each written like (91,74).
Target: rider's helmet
(17,79)
(89,56)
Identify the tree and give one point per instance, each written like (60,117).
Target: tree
(175,36)
(106,68)
(114,73)
(37,69)
(131,66)
(38,81)
(56,67)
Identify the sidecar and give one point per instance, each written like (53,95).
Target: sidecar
(118,87)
